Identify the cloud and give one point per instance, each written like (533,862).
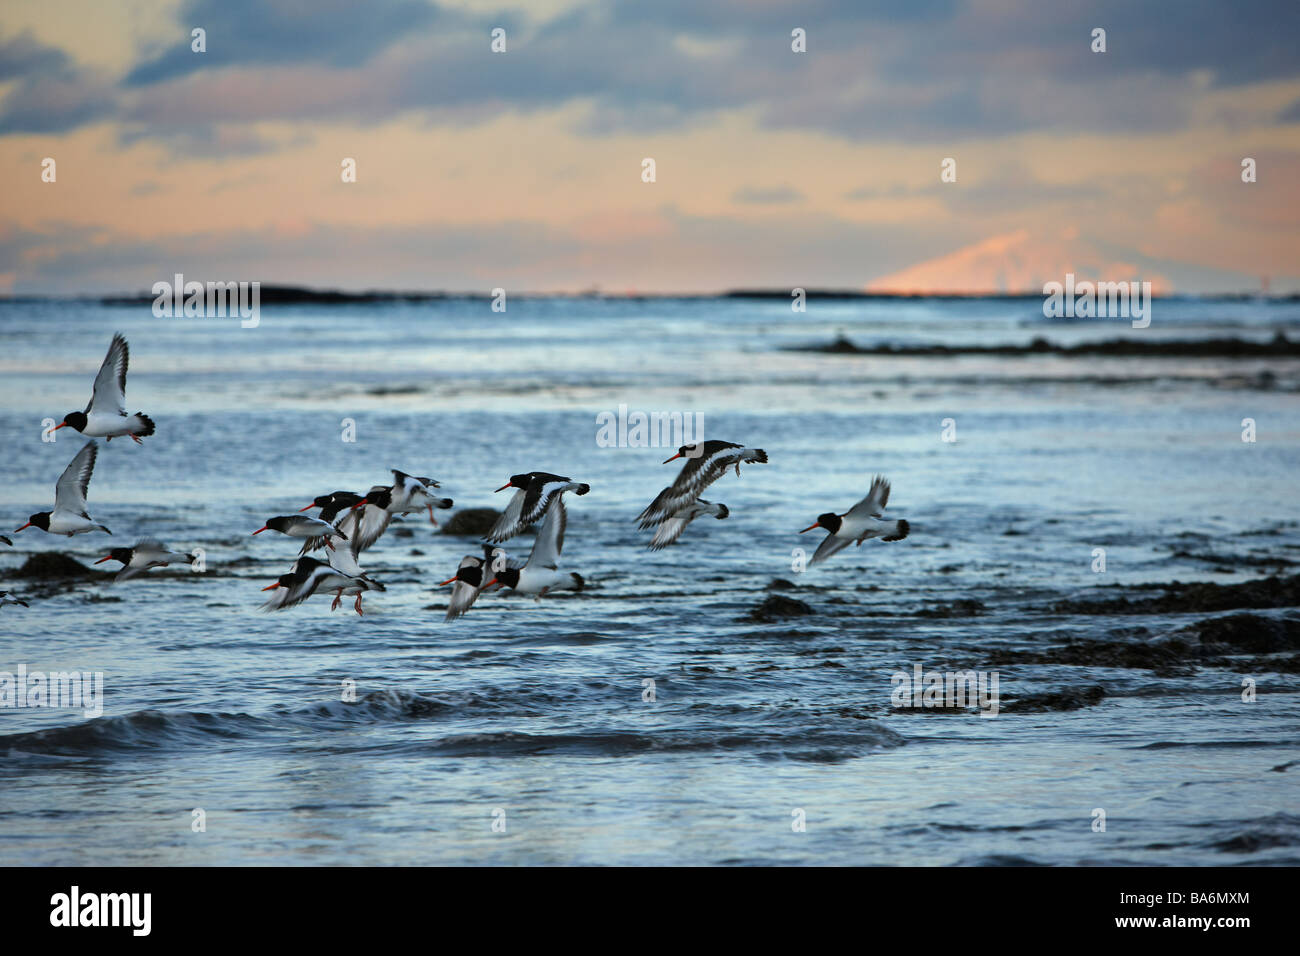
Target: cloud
(773,195)
(337,33)
(51,93)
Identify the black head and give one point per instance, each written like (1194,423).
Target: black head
(75,420)
(283,581)
(472,575)
(830,521)
(279,523)
(380,497)
(687,451)
(117,554)
(508,577)
(41,520)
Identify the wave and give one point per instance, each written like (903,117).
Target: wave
(153,731)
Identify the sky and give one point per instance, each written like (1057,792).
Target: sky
(773,168)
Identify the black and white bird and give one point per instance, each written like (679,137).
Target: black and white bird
(302,526)
(470,579)
(345,562)
(305,578)
(864,520)
(535,492)
(410,493)
(541,573)
(335,509)
(69,515)
(6,599)
(147,553)
(105,416)
(707,462)
(671,528)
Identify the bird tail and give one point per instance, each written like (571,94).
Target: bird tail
(901,530)
(757,455)
(441,503)
(146,425)
(723,511)
(582,489)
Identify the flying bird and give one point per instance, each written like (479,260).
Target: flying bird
(305,578)
(345,562)
(6,599)
(69,515)
(330,507)
(147,553)
(536,491)
(541,574)
(864,520)
(707,462)
(302,526)
(105,416)
(671,528)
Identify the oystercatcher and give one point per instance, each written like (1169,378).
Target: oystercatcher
(105,416)
(147,553)
(540,574)
(864,520)
(708,461)
(536,490)
(69,515)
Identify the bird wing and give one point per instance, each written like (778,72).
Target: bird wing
(70,491)
(873,505)
(670,529)
(510,523)
(540,493)
(347,524)
(830,546)
(374,522)
(109,395)
(550,539)
(344,560)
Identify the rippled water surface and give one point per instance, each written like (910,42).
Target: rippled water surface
(536,708)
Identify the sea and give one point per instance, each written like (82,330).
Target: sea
(720,702)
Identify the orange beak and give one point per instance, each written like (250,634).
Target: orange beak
(105,558)
(448,581)
(260,530)
(359,504)
(815,524)
(57,427)
(674,458)
(308,508)
(504,487)
(489,584)
(271,587)
(27,525)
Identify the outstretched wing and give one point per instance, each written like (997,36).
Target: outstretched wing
(511,521)
(70,491)
(873,505)
(670,529)
(373,523)
(550,539)
(830,546)
(541,492)
(109,396)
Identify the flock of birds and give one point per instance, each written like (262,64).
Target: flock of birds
(349,523)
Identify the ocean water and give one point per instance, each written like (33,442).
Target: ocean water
(531,715)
